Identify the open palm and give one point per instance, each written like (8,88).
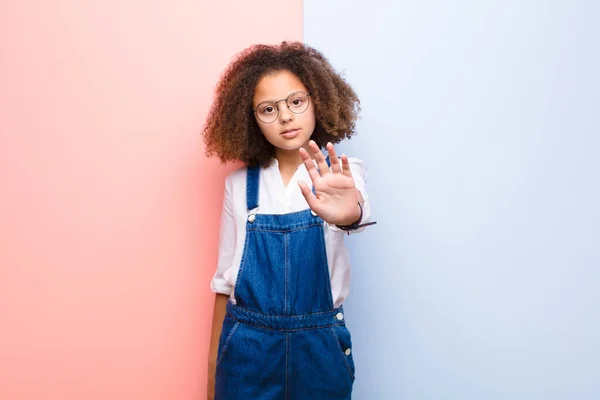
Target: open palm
(335,198)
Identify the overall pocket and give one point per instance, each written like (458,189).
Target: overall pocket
(344,341)
(227,332)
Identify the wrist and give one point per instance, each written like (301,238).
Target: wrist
(353,221)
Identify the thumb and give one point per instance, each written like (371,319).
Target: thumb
(310,197)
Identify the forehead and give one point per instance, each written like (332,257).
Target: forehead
(276,86)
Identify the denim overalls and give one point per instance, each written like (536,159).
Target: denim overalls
(283,339)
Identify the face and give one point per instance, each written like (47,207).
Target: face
(291,127)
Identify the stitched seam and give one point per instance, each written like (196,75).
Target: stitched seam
(286,277)
(326,266)
(252,176)
(306,315)
(226,344)
(309,328)
(293,213)
(294,229)
(241,268)
(339,345)
(286,366)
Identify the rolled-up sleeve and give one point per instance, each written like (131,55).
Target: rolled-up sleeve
(359,173)
(227,233)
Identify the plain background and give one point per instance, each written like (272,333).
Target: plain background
(109,209)
(480,132)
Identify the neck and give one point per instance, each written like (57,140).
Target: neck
(289,160)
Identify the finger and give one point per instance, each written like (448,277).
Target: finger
(310,197)
(319,158)
(346,166)
(310,165)
(333,159)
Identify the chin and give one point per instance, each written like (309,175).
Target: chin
(293,144)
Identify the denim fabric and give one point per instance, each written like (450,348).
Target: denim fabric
(283,339)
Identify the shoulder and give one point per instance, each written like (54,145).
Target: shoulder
(236,178)
(234,182)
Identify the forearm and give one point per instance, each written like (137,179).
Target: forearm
(217,323)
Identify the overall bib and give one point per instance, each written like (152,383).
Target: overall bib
(283,339)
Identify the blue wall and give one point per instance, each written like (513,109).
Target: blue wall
(480,129)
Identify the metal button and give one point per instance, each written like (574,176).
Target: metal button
(314,214)
(347,352)
(339,316)
(251,218)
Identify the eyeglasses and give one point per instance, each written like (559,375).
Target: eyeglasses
(268,111)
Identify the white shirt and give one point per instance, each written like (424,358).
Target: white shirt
(275,198)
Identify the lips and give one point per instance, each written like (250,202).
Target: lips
(290,133)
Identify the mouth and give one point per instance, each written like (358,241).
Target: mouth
(290,133)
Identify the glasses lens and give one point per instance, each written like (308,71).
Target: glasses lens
(298,102)
(267,112)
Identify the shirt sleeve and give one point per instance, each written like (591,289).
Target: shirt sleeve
(359,173)
(227,236)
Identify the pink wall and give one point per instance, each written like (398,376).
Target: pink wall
(109,210)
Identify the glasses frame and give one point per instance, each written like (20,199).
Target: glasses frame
(255,110)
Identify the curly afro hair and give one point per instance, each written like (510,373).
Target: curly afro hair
(232,133)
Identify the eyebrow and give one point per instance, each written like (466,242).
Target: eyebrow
(285,98)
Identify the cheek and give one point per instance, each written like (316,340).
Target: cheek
(309,118)
(269,131)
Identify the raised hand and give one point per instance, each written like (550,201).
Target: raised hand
(336,198)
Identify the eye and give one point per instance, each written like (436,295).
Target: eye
(267,109)
(297,101)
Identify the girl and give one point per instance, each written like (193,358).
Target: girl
(283,271)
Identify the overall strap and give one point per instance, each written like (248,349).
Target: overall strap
(252,182)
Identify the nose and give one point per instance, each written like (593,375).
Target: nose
(285,115)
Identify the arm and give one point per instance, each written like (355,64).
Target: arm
(217,323)
(219,283)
